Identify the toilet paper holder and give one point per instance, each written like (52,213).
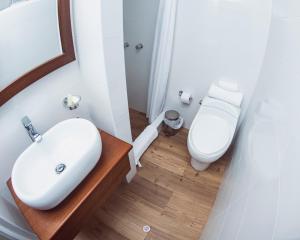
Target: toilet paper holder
(181,92)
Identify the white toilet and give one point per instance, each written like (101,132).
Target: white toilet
(214,126)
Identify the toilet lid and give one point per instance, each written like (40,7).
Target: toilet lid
(210,134)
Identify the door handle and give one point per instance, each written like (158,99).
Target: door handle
(139,46)
(126,45)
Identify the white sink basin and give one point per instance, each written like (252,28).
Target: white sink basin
(47,172)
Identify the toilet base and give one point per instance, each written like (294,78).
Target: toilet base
(198,165)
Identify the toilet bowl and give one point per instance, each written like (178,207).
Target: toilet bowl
(212,132)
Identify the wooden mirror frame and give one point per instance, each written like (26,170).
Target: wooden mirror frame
(67,56)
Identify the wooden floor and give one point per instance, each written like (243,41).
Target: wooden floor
(138,123)
(167,194)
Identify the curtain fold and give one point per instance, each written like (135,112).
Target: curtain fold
(161,58)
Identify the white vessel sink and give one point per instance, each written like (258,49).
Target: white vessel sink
(47,172)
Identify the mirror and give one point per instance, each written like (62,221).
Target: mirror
(36,39)
(22,49)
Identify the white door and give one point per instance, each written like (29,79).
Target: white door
(139,28)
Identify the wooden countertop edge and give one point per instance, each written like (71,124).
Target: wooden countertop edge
(90,190)
(107,170)
(96,184)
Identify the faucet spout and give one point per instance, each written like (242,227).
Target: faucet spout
(33,134)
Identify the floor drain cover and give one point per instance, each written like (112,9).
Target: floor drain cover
(146,229)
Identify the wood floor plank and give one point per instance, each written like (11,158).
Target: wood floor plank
(166,179)
(157,234)
(173,162)
(152,193)
(167,194)
(97,230)
(138,122)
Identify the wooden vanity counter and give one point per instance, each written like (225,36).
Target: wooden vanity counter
(66,220)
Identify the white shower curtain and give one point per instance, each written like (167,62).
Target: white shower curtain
(161,58)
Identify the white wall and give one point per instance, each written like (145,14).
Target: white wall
(139,27)
(112,22)
(260,196)
(89,45)
(112,18)
(42,101)
(216,40)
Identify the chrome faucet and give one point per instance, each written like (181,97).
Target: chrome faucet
(33,134)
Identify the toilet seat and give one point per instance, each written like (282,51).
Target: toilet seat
(211,132)
(214,126)
(210,135)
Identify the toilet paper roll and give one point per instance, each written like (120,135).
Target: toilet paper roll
(186,98)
